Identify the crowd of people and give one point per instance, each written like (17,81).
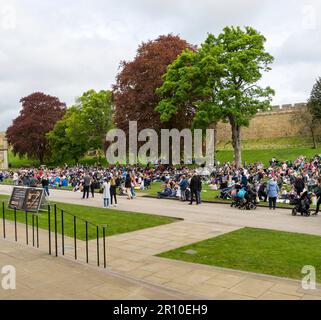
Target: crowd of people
(279,181)
(87,180)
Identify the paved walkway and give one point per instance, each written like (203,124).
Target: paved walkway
(40,276)
(207,213)
(132,254)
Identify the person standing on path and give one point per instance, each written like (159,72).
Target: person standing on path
(15,179)
(196,188)
(317,192)
(183,185)
(86,185)
(113,190)
(45,185)
(133,185)
(106,193)
(94,185)
(272,192)
(128,186)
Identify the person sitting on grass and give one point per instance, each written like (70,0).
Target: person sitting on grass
(213,186)
(166,193)
(284,195)
(262,192)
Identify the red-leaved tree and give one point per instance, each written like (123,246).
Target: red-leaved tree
(27,134)
(134,92)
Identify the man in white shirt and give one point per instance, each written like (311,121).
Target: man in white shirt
(106,193)
(15,179)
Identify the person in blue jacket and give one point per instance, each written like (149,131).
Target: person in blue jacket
(272,193)
(183,185)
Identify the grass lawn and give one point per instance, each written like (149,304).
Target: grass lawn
(287,148)
(117,221)
(16,162)
(9,182)
(269,252)
(265,155)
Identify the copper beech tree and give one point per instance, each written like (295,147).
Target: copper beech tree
(27,134)
(134,93)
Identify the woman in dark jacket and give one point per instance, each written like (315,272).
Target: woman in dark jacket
(113,190)
(128,186)
(317,192)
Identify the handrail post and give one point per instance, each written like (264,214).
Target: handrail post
(56,234)
(33,230)
(4,221)
(87,258)
(37,222)
(27,233)
(49,228)
(104,242)
(62,233)
(98,246)
(75,236)
(15,225)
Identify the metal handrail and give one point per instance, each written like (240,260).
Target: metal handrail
(35,241)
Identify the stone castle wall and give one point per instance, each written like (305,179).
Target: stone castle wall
(3,152)
(275,123)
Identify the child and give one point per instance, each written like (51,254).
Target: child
(106,193)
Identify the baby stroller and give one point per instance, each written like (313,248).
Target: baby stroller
(250,198)
(301,204)
(238,198)
(225,194)
(244,199)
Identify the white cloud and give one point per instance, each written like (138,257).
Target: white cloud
(66,47)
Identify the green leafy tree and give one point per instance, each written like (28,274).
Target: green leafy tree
(67,140)
(83,128)
(312,117)
(220,80)
(95,116)
(314,103)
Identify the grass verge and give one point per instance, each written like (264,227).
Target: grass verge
(117,221)
(262,251)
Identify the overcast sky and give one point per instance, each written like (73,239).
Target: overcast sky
(64,48)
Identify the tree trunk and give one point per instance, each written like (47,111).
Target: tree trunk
(236,142)
(41,159)
(313,139)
